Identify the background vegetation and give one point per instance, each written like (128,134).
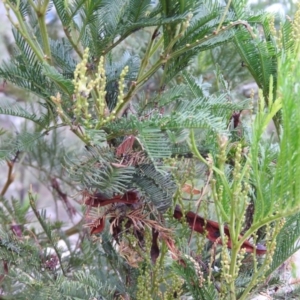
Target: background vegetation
(173,176)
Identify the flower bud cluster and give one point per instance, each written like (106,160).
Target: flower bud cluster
(174,288)
(271,21)
(225,262)
(101,84)
(90,106)
(82,89)
(197,269)
(186,24)
(296,24)
(239,261)
(271,234)
(223,141)
(144,284)
(57,101)
(120,100)
(277,35)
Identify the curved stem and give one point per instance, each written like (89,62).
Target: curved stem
(22,29)
(74,45)
(121,39)
(203,192)
(41,13)
(232,271)
(74,229)
(10,178)
(195,151)
(46,229)
(224,15)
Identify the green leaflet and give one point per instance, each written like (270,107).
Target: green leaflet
(62,83)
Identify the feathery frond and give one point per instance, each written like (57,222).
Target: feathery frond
(17,110)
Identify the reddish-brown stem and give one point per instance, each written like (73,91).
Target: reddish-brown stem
(10,178)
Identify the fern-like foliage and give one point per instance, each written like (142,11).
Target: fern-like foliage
(114,68)
(62,57)
(24,258)
(259,57)
(11,147)
(158,187)
(16,110)
(97,171)
(137,108)
(287,242)
(203,291)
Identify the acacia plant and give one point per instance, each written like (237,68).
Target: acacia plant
(181,192)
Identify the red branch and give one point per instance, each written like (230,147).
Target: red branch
(212,231)
(98,199)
